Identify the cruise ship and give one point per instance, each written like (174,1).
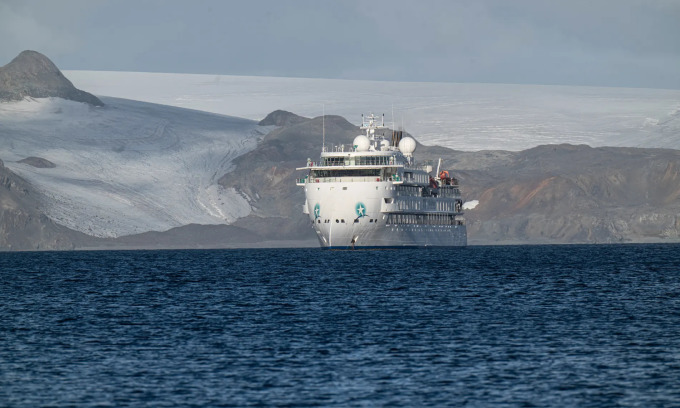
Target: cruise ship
(373,194)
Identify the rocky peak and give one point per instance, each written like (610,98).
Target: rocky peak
(31,74)
(281,118)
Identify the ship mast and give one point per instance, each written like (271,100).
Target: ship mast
(370,125)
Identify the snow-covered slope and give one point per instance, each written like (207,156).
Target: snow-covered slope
(127,167)
(460,116)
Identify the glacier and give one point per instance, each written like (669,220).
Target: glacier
(128,167)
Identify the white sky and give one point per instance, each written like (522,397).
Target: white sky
(628,43)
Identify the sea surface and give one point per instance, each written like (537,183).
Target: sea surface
(508,326)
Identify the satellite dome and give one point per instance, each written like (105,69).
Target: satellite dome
(407,145)
(361,143)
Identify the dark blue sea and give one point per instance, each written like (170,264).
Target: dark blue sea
(509,326)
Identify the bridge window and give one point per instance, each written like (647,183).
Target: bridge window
(373,160)
(345,173)
(333,161)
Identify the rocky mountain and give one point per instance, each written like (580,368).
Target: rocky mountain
(571,194)
(23,226)
(31,74)
(548,194)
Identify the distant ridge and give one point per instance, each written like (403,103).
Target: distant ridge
(282,118)
(31,74)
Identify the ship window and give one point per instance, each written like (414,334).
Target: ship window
(337,221)
(356,220)
(314,174)
(333,161)
(389,200)
(318,222)
(344,188)
(372,160)
(342,221)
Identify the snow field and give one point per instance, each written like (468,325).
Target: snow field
(466,117)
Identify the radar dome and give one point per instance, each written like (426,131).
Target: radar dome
(361,143)
(407,145)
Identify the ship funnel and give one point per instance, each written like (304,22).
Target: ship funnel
(396,137)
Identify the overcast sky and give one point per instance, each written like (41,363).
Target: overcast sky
(630,43)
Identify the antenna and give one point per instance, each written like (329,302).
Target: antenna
(323,128)
(393,117)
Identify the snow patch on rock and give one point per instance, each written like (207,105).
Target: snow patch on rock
(470,205)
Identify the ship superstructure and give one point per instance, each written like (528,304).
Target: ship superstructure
(372,194)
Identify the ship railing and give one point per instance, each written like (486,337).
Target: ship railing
(393,179)
(348,148)
(317,165)
(449,192)
(355,163)
(395,208)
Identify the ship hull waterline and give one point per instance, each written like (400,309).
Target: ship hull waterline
(355,216)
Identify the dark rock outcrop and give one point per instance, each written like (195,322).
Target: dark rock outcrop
(38,162)
(33,75)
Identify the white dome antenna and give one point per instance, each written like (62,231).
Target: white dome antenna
(407,145)
(361,143)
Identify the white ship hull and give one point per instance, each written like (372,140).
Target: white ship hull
(355,216)
(411,236)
